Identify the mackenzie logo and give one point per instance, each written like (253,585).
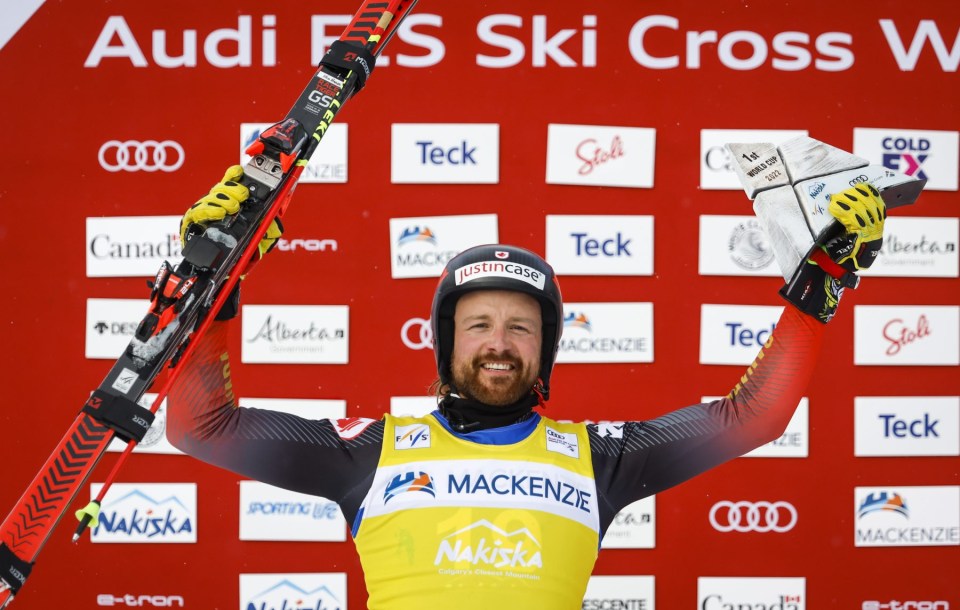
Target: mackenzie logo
(884,501)
(415,233)
(576,319)
(409,482)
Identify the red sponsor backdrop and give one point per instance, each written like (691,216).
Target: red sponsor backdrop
(58,113)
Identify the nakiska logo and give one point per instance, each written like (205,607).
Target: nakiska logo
(486,269)
(576,319)
(884,501)
(412,234)
(305,591)
(272,513)
(409,482)
(483,549)
(148,513)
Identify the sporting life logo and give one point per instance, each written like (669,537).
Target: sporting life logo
(328,165)
(925,154)
(421,247)
(271,513)
(147,512)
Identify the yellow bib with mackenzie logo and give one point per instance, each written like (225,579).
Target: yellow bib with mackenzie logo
(451,523)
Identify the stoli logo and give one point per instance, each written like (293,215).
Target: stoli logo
(592,155)
(899,335)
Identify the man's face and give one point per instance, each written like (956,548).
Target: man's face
(496,345)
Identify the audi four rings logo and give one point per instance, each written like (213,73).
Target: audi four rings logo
(424,334)
(761,517)
(146,156)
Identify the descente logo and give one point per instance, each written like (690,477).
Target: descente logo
(485,269)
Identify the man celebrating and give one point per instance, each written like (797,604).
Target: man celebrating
(486,503)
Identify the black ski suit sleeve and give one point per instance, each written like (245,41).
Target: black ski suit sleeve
(634,460)
(308,456)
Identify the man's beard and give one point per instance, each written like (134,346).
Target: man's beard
(498,391)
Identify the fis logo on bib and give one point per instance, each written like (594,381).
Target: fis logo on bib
(416,436)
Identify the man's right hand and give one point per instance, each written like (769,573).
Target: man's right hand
(225,198)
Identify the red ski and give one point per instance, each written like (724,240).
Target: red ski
(186,299)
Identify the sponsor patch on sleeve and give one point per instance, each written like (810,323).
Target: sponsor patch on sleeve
(351,427)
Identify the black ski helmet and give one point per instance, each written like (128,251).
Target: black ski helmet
(497,267)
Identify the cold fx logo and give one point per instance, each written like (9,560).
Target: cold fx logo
(906,155)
